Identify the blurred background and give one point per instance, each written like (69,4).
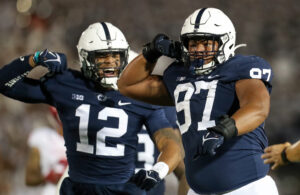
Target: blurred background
(270,28)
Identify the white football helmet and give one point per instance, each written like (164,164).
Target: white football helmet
(102,38)
(210,24)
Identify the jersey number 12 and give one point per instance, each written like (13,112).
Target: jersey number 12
(83,112)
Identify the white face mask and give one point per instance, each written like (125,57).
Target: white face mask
(205,68)
(110,82)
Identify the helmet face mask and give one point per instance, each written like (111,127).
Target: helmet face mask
(201,61)
(207,24)
(103,53)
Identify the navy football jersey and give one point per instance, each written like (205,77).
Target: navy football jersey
(99,127)
(202,99)
(147,153)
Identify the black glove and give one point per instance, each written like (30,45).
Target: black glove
(214,137)
(226,127)
(161,45)
(210,141)
(55,62)
(145,180)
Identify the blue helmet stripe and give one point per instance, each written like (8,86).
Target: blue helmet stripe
(106,31)
(198,18)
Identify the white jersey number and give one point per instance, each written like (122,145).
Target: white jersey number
(147,155)
(257,73)
(83,112)
(185,106)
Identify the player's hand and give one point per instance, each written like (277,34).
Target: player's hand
(146,180)
(225,126)
(273,155)
(162,45)
(55,62)
(210,141)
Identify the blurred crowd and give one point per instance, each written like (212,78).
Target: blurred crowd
(270,29)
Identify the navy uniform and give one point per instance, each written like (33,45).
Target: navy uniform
(100,127)
(200,100)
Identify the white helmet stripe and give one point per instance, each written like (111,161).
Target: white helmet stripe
(198,18)
(106,31)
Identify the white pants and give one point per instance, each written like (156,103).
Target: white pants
(263,186)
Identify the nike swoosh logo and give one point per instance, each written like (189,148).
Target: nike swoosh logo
(204,138)
(149,177)
(57,58)
(123,103)
(214,76)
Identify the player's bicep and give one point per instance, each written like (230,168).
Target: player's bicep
(151,90)
(252,91)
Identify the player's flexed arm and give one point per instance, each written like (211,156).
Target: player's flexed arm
(136,80)
(13,81)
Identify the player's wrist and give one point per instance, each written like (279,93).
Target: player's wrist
(284,157)
(36,57)
(162,169)
(32,63)
(226,127)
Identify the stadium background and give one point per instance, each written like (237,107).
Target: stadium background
(270,28)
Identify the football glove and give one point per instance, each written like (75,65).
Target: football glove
(210,141)
(226,127)
(215,136)
(146,180)
(161,45)
(55,62)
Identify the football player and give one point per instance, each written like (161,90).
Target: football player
(222,101)
(147,155)
(47,156)
(282,154)
(100,125)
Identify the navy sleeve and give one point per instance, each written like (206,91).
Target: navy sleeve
(256,68)
(170,112)
(14,84)
(156,121)
(247,67)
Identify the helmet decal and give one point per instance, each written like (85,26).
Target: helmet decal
(106,31)
(198,18)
